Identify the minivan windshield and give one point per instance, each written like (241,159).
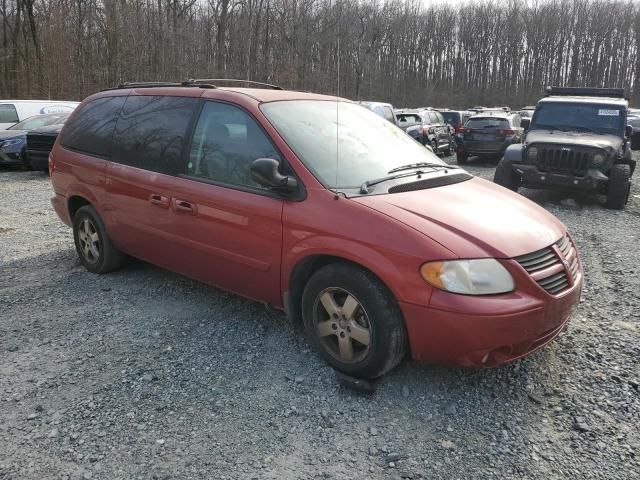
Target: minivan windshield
(588,117)
(342,143)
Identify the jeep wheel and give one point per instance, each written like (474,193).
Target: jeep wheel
(461,158)
(505,176)
(618,187)
(352,319)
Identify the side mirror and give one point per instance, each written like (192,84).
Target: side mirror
(628,131)
(265,172)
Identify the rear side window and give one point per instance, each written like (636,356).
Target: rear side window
(8,113)
(151,132)
(90,129)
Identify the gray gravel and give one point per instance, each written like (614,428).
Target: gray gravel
(146,374)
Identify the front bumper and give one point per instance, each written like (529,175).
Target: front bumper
(480,332)
(38,160)
(593,179)
(10,158)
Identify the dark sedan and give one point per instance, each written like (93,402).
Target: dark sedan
(13,141)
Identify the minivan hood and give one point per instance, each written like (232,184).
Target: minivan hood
(473,219)
(586,139)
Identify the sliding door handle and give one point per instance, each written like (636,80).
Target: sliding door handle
(160,200)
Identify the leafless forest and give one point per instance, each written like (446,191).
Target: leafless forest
(405,52)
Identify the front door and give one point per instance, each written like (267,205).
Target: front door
(230,227)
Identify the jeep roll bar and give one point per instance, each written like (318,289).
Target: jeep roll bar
(586,92)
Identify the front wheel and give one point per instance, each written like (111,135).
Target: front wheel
(618,187)
(505,176)
(93,245)
(353,321)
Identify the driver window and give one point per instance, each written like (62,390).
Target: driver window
(225,143)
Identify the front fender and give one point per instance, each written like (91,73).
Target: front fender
(514,153)
(399,273)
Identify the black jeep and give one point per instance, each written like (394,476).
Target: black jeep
(578,139)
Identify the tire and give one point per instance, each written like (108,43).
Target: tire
(505,175)
(461,158)
(618,186)
(434,146)
(25,160)
(452,148)
(93,245)
(375,317)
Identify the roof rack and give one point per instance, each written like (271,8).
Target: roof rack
(586,92)
(235,80)
(188,83)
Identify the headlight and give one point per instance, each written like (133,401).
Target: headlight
(472,277)
(532,153)
(10,143)
(598,159)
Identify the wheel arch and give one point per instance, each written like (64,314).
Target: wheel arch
(513,153)
(74,203)
(304,268)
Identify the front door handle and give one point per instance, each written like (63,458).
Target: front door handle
(159,200)
(182,206)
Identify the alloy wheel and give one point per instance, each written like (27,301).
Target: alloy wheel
(342,325)
(89,241)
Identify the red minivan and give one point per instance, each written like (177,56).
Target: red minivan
(321,208)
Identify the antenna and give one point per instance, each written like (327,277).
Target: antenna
(337,103)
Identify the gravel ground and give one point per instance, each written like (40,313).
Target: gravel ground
(146,374)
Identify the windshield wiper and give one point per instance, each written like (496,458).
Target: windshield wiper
(542,126)
(588,129)
(420,165)
(364,188)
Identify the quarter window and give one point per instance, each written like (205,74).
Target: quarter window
(225,143)
(8,113)
(151,132)
(90,129)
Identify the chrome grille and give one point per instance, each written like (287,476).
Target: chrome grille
(548,267)
(562,160)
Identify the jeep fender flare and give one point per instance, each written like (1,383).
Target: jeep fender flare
(514,153)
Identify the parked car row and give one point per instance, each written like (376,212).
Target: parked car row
(28,129)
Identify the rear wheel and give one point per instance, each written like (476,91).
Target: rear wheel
(452,148)
(93,245)
(434,146)
(618,187)
(505,175)
(353,321)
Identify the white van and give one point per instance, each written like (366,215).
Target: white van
(14,111)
